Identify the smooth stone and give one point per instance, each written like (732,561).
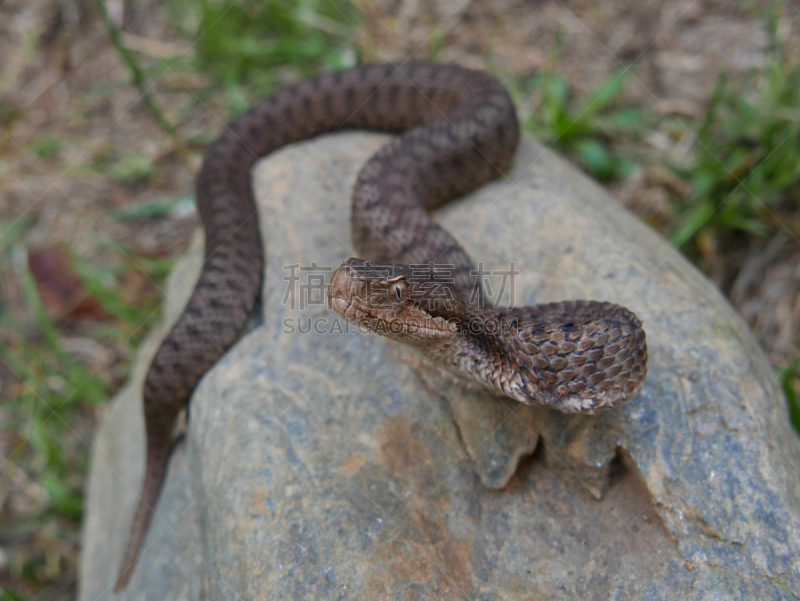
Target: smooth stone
(322,465)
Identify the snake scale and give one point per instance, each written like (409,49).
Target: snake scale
(461,130)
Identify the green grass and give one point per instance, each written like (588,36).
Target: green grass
(6,594)
(251,47)
(54,388)
(743,173)
(46,146)
(55,396)
(246,48)
(745,169)
(593,130)
(124,166)
(789,376)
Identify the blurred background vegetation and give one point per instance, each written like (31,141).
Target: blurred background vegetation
(106,109)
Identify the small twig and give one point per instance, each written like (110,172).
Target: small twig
(137,73)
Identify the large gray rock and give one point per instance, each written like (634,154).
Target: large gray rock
(333,465)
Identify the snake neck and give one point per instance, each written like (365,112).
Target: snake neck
(483,334)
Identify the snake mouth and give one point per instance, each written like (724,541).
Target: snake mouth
(364,301)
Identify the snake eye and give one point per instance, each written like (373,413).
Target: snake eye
(399,290)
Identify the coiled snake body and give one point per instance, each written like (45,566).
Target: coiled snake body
(461,130)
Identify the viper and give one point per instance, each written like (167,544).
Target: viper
(412,281)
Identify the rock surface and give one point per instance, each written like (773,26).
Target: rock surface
(323,465)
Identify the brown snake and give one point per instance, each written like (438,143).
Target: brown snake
(461,130)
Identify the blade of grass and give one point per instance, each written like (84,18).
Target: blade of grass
(14,232)
(788,376)
(694,219)
(108,298)
(86,383)
(8,594)
(137,72)
(604,94)
(150,209)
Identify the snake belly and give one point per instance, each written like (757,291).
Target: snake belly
(461,130)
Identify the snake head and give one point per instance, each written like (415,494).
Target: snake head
(409,303)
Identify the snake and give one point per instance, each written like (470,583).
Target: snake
(459,129)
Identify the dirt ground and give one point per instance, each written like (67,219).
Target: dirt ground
(60,76)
